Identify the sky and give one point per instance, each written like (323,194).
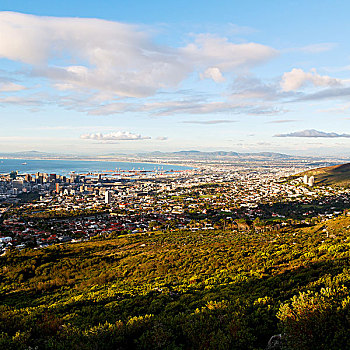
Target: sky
(103,77)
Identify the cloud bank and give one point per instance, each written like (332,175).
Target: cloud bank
(297,78)
(122,59)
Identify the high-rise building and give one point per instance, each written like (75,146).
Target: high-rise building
(305,179)
(108,197)
(57,188)
(311,181)
(17,183)
(40,179)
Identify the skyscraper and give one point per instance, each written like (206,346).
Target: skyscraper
(108,197)
(305,179)
(311,181)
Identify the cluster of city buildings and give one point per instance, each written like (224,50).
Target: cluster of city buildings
(13,185)
(78,207)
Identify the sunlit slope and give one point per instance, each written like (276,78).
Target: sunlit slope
(180,290)
(333,175)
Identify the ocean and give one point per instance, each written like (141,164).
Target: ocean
(64,167)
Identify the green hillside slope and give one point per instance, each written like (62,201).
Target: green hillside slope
(334,175)
(181,290)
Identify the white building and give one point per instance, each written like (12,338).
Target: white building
(108,197)
(305,180)
(311,181)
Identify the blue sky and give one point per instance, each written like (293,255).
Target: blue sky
(91,77)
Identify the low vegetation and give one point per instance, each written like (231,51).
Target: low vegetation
(182,290)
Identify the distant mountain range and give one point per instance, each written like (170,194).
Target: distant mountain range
(217,154)
(178,156)
(333,175)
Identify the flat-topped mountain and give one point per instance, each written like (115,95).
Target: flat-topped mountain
(333,175)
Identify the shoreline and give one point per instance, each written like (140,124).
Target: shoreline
(99,160)
(77,171)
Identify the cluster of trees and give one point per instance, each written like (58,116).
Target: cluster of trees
(66,213)
(181,290)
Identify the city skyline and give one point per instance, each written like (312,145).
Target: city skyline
(87,78)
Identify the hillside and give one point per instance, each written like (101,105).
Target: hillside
(181,290)
(333,175)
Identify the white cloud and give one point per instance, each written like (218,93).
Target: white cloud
(212,51)
(11,87)
(297,78)
(251,88)
(314,48)
(336,109)
(282,121)
(120,59)
(31,101)
(209,122)
(312,133)
(207,107)
(115,136)
(162,138)
(112,108)
(117,57)
(213,73)
(327,94)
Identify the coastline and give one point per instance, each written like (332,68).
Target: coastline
(188,164)
(82,165)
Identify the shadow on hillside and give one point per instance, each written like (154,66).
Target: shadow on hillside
(280,286)
(169,304)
